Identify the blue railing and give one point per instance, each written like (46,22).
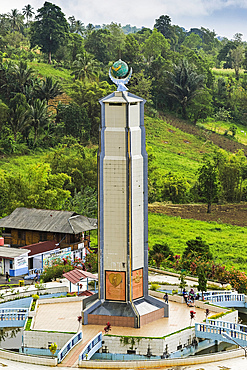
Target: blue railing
(227,325)
(13,317)
(93,346)
(218,292)
(214,329)
(221,298)
(68,346)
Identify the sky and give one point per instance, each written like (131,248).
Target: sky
(225,17)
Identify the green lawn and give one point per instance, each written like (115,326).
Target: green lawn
(227,243)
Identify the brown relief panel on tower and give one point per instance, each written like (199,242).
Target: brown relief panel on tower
(137,283)
(115,286)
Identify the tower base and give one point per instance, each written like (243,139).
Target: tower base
(140,312)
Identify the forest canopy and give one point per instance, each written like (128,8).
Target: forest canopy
(54,70)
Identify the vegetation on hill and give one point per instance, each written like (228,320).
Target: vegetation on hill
(54,70)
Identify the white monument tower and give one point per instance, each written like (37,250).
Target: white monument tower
(123,298)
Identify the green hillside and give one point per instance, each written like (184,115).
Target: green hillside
(174,150)
(227,243)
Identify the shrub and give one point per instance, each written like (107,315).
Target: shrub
(154,286)
(35,297)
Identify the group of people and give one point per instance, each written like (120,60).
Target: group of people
(190,297)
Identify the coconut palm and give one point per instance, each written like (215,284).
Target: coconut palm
(184,84)
(47,89)
(85,67)
(79,27)
(16,20)
(28,12)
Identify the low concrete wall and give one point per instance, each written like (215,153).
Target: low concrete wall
(161,363)
(178,275)
(42,339)
(157,346)
(171,274)
(9,355)
(32,291)
(59,300)
(200,304)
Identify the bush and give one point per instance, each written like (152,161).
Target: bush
(197,248)
(35,297)
(154,286)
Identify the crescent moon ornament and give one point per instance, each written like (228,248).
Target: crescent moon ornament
(116,69)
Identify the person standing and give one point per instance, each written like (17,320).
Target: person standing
(7,276)
(166,297)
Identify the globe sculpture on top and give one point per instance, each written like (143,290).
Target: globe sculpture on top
(120,74)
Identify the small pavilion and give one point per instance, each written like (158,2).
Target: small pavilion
(77,276)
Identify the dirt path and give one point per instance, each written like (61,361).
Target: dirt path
(234,214)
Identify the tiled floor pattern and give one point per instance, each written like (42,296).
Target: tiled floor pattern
(58,316)
(63,317)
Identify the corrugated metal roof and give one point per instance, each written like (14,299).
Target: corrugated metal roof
(41,247)
(7,252)
(76,275)
(48,220)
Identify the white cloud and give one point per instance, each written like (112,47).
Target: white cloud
(188,14)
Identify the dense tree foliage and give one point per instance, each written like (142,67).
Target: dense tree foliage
(176,71)
(49,29)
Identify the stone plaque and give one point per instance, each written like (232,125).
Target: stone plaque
(115,285)
(137,283)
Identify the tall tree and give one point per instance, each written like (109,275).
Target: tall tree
(155,46)
(184,84)
(163,25)
(237,56)
(50,29)
(208,182)
(16,20)
(28,12)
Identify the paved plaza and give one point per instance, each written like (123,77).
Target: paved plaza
(63,317)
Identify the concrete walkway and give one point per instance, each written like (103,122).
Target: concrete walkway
(239,363)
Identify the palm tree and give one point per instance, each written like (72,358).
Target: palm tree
(85,67)
(72,24)
(28,12)
(19,119)
(16,20)
(39,117)
(47,89)
(79,27)
(184,84)
(22,75)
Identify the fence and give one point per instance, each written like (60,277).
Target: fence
(93,346)
(13,317)
(68,346)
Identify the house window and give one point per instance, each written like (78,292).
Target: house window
(42,237)
(10,264)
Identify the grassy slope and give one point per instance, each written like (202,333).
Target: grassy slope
(227,243)
(176,151)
